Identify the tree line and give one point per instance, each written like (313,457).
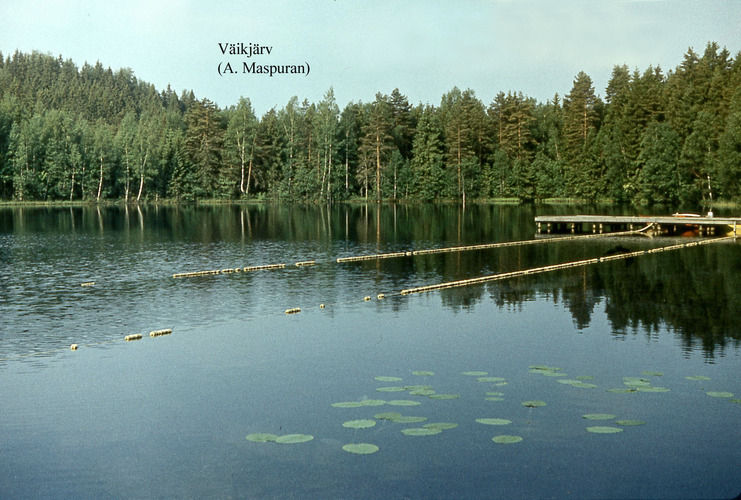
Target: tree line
(92,134)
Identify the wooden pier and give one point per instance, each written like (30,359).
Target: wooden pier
(670,225)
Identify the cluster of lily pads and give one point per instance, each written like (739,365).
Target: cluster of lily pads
(630,385)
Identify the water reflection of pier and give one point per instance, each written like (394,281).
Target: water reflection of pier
(673,225)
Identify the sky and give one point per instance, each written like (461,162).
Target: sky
(424,48)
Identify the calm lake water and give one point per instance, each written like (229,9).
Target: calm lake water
(653,340)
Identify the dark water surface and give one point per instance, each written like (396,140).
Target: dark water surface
(167,417)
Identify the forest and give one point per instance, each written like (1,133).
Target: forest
(91,134)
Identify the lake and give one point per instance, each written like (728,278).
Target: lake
(617,380)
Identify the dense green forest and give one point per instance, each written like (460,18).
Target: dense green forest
(92,134)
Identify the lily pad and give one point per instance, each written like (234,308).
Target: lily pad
(720,394)
(569,381)
(653,389)
(493,398)
(585,377)
(604,430)
(445,396)
(652,374)
(421,431)
(423,373)
(407,420)
(533,404)
(443,426)
(359,424)
(348,404)
(382,378)
(294,438)
(599,416)
(422,392)
(372,402)
(360,448)
(390,389)
(475,374)
(622,390)
(495,394)
(698,377)
(403,402)
(735,400)
(628,423)
(261,437)
(493,421)
(506,439)
(387,415)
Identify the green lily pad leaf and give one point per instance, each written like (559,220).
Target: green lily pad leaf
(403,402)
(407,420)
(443,426)
(569,381)
(390,389)
(417,387)
(506,439)
(621,390)
(348,404)
(475,374)
(585,377)
(294,438)
(382,378)
(387,415)
(422,392)
(533,404)
(421,431)
(261,437)
(359,424)
(493,421)
(423,373)
(495,394)
(636,383)
(599,416)
(372,402)
(627,423)
(698,377)
(653,389)
(604,430)
(544,368)
(491,379)
(493,398)
(445,396)
(652,374)
(360,448)
(720,394)
(735,400)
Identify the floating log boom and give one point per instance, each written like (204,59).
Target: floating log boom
(556,267)
(670,225)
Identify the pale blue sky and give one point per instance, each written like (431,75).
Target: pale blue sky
(423,47)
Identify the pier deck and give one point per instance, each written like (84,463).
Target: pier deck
(672,225)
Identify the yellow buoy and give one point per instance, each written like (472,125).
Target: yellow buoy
(321,306)
(381,296)
(305,263)
(87,283)
(293,310)
(135,336)
(158,333)
(73,347)
(366,298)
